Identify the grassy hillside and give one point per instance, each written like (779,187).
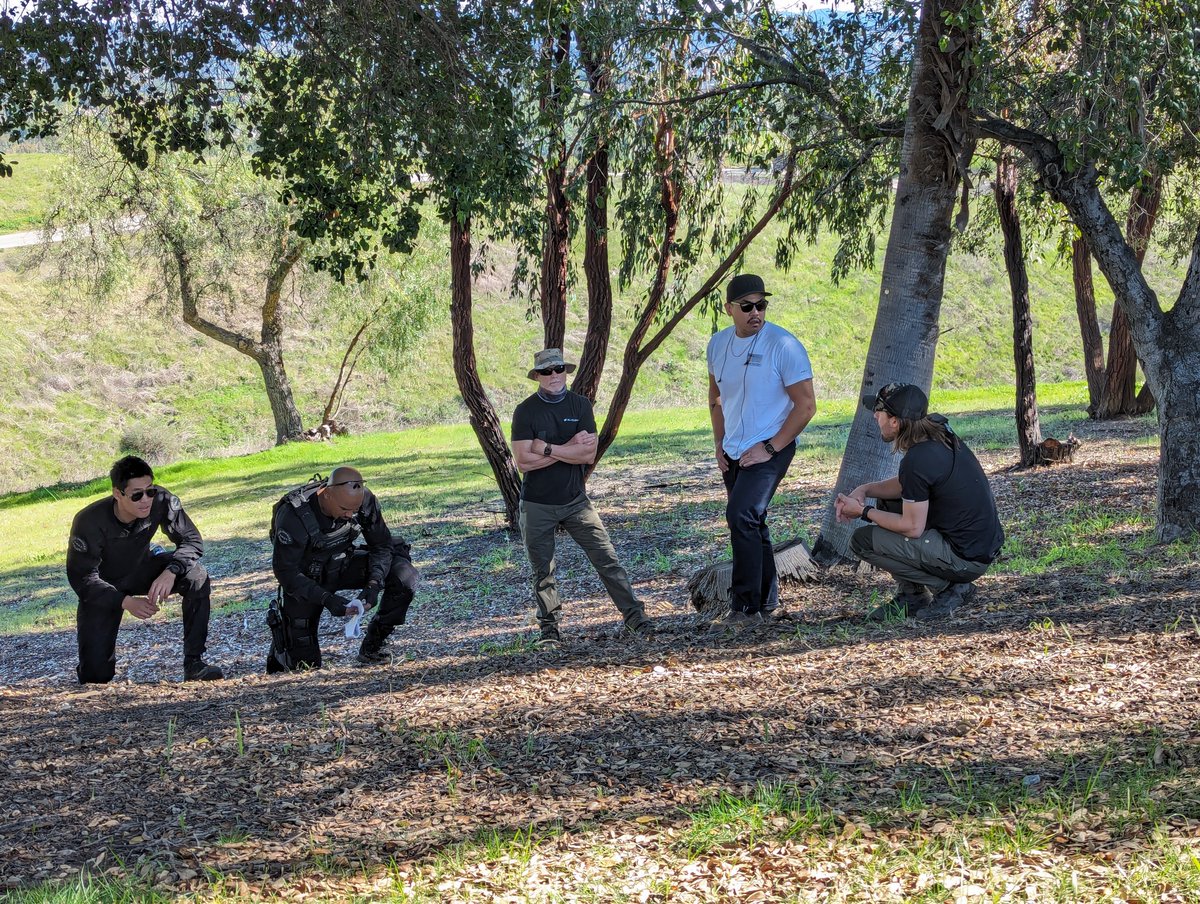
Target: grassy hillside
(22,197)
(83,382)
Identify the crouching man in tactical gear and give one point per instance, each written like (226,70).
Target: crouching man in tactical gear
(313,534)
(113,568)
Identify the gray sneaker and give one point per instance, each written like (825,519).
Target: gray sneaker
(947,601)
(550,640)
(641,627)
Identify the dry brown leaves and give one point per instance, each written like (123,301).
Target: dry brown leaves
(309,786)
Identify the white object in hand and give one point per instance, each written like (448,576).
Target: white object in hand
(354,625)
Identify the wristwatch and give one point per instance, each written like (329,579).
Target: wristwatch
(770,449)
(546,451)
(867,509)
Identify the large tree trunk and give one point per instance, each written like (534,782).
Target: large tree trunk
(556,240)
(1089,326)
(1119,398)
(484,420)
(595,249)
(288,424)
(936,148)
(1029,428)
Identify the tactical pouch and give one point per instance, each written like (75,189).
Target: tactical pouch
(280,641)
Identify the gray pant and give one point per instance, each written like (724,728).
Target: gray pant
(538,523)
(928,560)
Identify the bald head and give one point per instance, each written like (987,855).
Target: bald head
(343,494)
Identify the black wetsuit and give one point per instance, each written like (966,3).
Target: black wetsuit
(314,555)
(108,560)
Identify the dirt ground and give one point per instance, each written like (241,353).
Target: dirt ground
(357,780)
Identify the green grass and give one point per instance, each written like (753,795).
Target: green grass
(23,197)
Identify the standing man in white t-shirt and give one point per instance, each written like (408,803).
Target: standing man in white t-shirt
(760,396)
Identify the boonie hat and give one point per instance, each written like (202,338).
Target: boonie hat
(549,357)
(742,285)
(902,400)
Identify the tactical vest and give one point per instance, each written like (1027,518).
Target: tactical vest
(321,547)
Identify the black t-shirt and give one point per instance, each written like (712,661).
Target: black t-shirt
(961,506)
(556,423)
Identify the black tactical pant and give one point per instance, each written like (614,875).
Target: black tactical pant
(303,619)
(97,626)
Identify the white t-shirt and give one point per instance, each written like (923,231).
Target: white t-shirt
(751,374)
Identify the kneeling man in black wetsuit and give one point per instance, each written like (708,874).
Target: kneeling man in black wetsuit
(314,554)
(113,569)
(934,527)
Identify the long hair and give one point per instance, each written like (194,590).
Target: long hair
(931,427)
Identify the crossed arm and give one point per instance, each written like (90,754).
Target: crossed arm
(580,449)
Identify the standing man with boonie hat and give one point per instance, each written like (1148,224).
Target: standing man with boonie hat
(760,397)
(554,442)
(934,527)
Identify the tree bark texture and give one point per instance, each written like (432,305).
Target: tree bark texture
(1089,326)
(1119,398)
(1029,429)
(595,252)
(937,144)
(556,242)
(484,420)
(266,352)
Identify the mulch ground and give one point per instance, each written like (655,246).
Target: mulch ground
(354,779)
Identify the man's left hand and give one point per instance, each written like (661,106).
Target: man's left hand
(161,588)
(755,455)
(370,596)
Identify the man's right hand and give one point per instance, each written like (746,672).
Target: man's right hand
(139,606)
(722,461)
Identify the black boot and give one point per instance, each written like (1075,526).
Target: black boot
(196,669)
(371,651)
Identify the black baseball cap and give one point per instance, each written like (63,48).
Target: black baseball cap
(902,400)
(742,285)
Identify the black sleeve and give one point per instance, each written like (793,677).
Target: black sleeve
(176,524)
(378,537)
(288,561)
(522,424)
(85,551)
(587,417)
(914,477)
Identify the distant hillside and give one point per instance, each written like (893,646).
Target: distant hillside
(82,383)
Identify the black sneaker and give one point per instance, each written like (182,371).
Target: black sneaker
(373,657)
(549,640)
(947,601)
(199,670)
(642,627)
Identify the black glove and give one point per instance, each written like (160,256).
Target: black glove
(335,604)
(369,596)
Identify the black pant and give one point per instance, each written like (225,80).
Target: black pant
(303,619)
(754,584)
(97,626)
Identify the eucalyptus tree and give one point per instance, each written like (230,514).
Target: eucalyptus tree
(1091,121)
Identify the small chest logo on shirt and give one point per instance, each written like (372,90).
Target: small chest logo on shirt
(754,360)
(570,420)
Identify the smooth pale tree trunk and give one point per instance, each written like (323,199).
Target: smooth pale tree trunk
(1029,428)
(484,420)
(1120,398)
(1089,326)
(904,339)
(267,350)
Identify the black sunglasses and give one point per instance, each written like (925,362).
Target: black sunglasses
(556,369)
(136,495)
(353,484)
(748,306)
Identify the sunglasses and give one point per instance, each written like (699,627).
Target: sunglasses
(748,306)
(353,484)
(136,495)
(556,369)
